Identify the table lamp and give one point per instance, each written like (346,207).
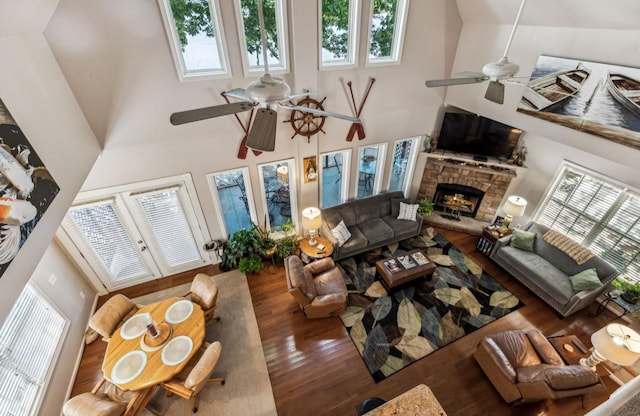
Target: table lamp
(311,220)
(514,207)
(616,343)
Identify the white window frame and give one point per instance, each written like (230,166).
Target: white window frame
(283,41)
(292,195)
(399,29)
(176,50)
(351,61)
(216,197)
(35,406)
(600,225)
(346,168)
(411,162)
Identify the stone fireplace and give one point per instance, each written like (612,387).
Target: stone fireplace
(470,198)
(484,184)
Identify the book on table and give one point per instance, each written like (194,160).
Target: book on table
(392,265)
(420,258)
(407,261)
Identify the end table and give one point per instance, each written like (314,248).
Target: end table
(489,238)
(312,251)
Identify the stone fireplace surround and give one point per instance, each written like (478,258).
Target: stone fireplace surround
(492,179)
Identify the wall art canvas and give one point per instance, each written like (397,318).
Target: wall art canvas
(596,98)
(26,188)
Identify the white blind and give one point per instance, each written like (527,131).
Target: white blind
(100,224)
(28,343)
(598,213)
(166,217)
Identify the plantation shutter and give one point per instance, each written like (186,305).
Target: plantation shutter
(29,341)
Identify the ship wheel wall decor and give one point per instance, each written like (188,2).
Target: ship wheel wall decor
(307,124)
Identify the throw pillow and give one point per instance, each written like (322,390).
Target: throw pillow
(522,239)
(585,280)
(341,233)
(408,211)
(395,206)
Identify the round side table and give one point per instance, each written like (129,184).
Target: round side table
(312,251)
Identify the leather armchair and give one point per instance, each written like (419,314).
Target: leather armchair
(523,366)
(111,314)
(318,287)
(204,292)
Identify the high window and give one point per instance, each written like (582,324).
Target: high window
(30,340)
(386,31)
(334,183)
(338,33)
(278,186)
(598,212)
(370,168)
(196,36)
(231,191)
(405,153)
(275,33)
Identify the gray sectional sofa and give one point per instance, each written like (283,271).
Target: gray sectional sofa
(371,221)
(546,271)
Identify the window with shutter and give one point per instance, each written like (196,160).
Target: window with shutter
(597,212)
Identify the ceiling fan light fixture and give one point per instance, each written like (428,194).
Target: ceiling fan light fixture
(501,69)
(268,89)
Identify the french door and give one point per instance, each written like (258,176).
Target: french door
(130,237)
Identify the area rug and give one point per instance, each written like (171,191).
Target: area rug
(247,390)
(394,330)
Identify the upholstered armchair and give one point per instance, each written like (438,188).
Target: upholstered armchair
(111,314)
(107,399)
(191,380)
(204,292)
(318,287)
(523,366)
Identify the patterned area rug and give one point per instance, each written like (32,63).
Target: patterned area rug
(393,330)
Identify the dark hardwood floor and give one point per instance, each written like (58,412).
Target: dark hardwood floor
(316,370)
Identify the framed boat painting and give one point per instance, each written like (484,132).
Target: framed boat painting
(596,98)
(26,188)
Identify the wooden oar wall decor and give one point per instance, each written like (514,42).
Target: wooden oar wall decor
(357,128)
(242,150)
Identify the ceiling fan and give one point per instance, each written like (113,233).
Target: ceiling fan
(267,92)
(495,72)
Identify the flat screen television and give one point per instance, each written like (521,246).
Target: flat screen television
(477,135)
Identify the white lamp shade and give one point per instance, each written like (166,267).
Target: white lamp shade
(617,343)
(515,206)
(311,219)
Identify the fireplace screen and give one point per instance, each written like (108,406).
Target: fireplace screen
(464,199)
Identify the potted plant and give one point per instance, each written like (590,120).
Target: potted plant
(426,207)
(251,264)
(241,244)
(630,291)
(287,246)
(267,245)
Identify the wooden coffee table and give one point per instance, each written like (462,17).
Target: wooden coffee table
(392,279)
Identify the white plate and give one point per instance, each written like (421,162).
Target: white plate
(135,326)
(128,367)
(177,350)
(179,311)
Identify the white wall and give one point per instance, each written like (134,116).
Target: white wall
(548,143)
(39,99)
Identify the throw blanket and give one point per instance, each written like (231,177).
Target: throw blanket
(573,249)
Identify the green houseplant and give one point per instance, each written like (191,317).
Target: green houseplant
(426,207)
(251,264)
(630,290)
(267,245)
(243,243)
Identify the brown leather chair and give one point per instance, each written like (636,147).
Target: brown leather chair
(318,287)
(191,380)
(523,366)
(116,310)
(204,292)
(107,399)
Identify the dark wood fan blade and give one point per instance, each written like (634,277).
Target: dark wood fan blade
(495,92)
(208,112)
(263,131)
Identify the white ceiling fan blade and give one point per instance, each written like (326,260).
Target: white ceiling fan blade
(208,112)
(495,92)
(304,94)
(320,112)
(263,131)
(239,93)
(456,81)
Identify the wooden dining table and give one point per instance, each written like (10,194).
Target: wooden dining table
(155,370)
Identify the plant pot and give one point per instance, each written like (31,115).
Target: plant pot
(630,297)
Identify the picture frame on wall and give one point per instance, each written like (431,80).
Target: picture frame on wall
(310,169)
(593,97)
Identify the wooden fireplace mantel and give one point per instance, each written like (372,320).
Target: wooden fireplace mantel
(467,163)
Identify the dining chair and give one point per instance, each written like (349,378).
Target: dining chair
(107,399)
(111,314)
(204,292)
(189,383)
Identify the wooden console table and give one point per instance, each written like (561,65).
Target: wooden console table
(420,400)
